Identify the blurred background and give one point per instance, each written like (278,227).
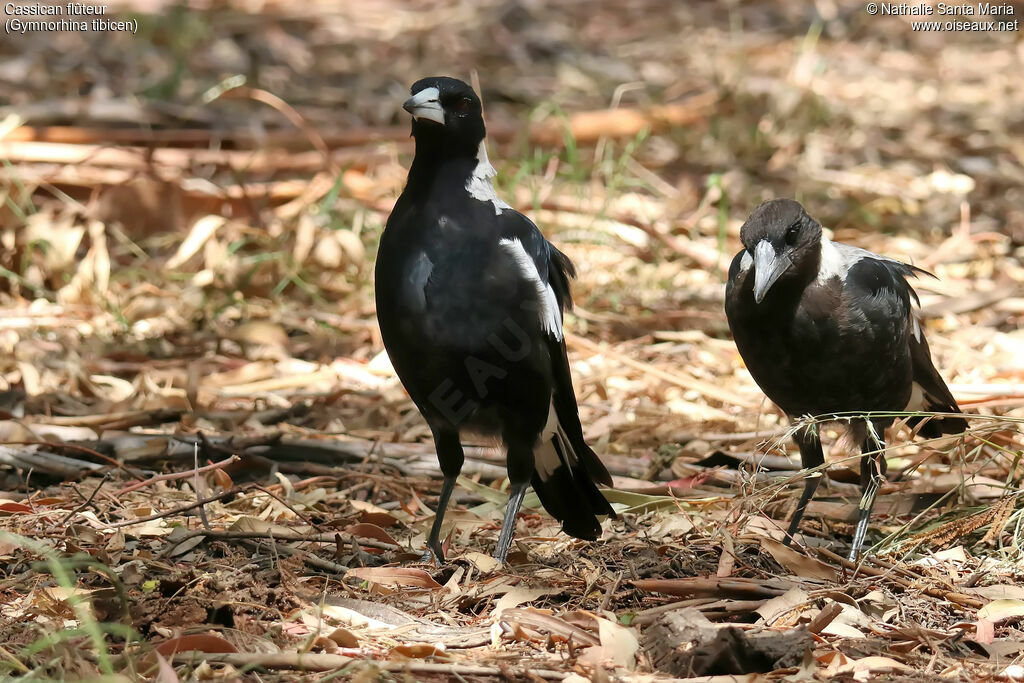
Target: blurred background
(211,189)
(190,215)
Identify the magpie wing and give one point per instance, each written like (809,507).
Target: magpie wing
(893,299)
(555,270)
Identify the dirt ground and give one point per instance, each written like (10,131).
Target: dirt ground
(210,471)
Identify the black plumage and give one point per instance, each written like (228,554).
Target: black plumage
(470,299)
(826,328)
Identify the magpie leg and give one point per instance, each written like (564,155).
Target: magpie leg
(520,471)
(508,526)
(811,456)
(450,457)
(872,474)
(434,540)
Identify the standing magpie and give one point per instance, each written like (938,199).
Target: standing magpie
(827,328)
(470,299)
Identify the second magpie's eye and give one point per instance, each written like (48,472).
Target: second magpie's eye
(463,105)
(792,233)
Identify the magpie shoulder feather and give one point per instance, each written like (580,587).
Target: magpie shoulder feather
(879,287)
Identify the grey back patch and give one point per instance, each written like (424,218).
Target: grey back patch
(416,281)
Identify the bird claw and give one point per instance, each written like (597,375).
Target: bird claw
(433,554)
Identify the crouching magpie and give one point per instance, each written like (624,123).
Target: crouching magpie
(470,299)
(827,328)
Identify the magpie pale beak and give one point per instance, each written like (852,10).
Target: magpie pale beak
(425,105)
(768,267)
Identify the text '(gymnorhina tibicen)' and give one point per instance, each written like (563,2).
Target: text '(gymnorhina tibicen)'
(827,328)
(469,300)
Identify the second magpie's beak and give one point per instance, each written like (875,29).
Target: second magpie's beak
(768,267)
(425,105)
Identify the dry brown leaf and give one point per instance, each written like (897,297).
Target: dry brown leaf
(849,623)
(485,563)
(305,236)
(783,604)
(984,631)
(165,672)
(618,646)
(519,595)
(202,230)
(417,650)
(1001,610)
(863,669)
(367,530)
(803,566)
(343,637)
(557,628)
(201,642)
(1000,591)
(260,332)
(394,576)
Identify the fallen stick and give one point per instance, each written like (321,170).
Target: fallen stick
(736,587)
(179,475)
(83,449)
(122,420)
(47,463)
(327,662)
(173,511)
(228,535)
(825,617)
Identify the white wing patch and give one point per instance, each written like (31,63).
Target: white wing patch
(915,321)
(545,456)
(480,185)
(917,399)
(550,313)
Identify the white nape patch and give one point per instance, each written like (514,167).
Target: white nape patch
(746,261)
(917,399)
(837,259)
(480,185)
(545,456)
(426,104)
(550,314)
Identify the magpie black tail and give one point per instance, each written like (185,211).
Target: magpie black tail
(568,471)
(935,396)
(937,426)
(569,492)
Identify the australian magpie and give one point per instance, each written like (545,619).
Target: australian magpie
(827,328)
(470,299)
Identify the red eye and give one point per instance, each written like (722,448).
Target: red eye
(463,105)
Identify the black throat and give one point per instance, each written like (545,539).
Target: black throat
(437,162)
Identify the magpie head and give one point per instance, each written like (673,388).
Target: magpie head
(447,112)
(784,243)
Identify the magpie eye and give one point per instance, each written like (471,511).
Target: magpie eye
(463,105)
(792,233)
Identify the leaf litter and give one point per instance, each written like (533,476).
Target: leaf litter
(209,468)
